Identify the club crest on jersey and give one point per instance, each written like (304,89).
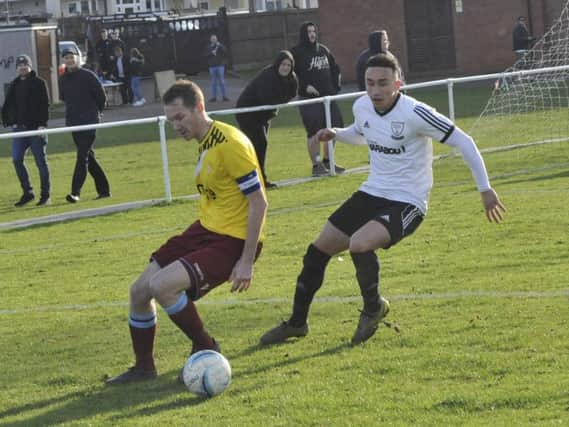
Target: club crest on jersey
(397,129)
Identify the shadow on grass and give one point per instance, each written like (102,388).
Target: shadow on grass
(150,396)
(287,360)
(88,403)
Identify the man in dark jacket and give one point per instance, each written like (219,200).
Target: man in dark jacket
(521,37)
(275,84)
(318,75)
(26,108)
(84,99)
(378,42)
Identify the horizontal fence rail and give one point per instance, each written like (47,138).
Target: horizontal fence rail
(326,100)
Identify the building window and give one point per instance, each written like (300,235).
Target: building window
(203,5)
(93,6)
(157,5)
(458,6)
(85,7)
(72,8)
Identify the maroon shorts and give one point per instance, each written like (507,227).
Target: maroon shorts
(208,257)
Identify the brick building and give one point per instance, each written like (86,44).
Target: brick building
(433,38)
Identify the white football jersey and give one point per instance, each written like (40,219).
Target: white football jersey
(400,148)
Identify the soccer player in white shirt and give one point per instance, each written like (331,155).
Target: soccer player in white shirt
(391,203)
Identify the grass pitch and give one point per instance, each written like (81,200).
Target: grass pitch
(481,309)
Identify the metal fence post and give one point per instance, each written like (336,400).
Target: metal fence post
(451,114)
(328,113)
(450,89)
(164,151)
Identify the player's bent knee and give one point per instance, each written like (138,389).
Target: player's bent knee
(140,293)
(157,286)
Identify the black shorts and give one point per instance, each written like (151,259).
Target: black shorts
(314,117)
(401,219)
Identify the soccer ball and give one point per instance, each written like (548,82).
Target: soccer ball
(207,373)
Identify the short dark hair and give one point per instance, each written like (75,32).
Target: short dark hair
(385,60)
(189,92)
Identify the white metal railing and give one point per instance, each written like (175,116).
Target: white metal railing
(161,120)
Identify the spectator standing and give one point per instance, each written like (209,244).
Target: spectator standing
(318,75)
(378,42)
(275,84)
(121,74)
(104,48)
(521,37)
(216,61)
(136,64)
(84,99)
(26,108)
(220,246)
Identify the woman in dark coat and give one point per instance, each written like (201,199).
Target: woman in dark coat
(275,84)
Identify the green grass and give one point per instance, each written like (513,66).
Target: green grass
(481,308)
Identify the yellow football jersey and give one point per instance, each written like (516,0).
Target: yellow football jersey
(226,172)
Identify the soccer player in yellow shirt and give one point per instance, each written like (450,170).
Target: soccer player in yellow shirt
(220,246)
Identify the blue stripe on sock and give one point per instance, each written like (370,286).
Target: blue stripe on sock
(179,305)
(142,321)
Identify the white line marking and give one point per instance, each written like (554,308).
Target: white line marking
(332,300)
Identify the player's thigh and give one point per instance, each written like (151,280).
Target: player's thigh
(212,265)
(392,222)
(354,213)
(167,283)
(140,292)
(332,240)
(371,236)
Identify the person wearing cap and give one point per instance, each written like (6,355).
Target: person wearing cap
(84,98)
(26,108)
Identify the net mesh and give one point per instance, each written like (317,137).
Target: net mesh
(531,108)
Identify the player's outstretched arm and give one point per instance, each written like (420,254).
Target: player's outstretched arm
(349,135)
(493,206)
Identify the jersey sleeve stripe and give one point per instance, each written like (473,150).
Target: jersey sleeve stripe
(437,118)
(433,120)
(449,133)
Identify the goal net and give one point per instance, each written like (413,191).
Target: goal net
(529,109)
